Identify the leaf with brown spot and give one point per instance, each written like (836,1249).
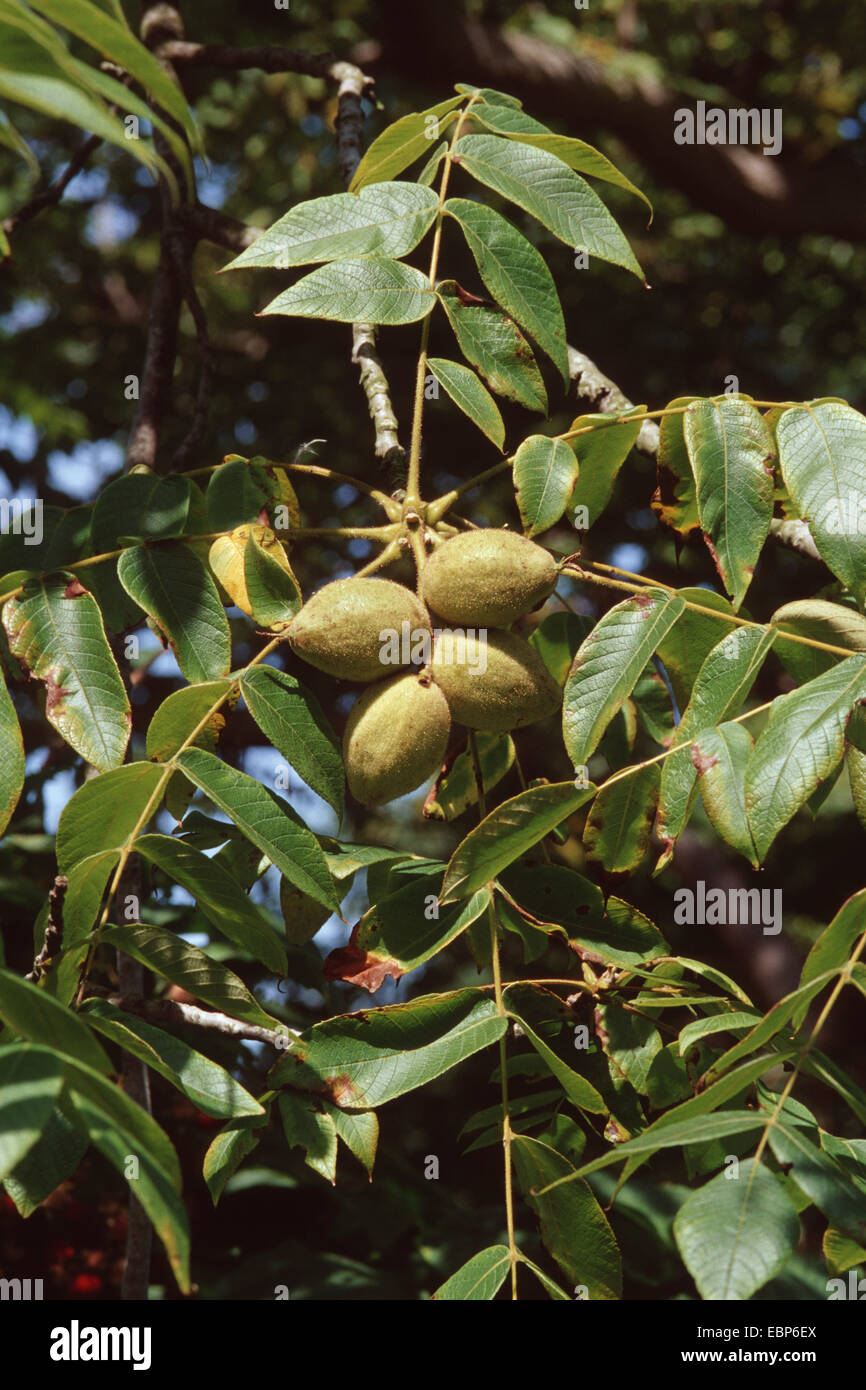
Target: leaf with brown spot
(62,642)
(362,1064)
(400,933)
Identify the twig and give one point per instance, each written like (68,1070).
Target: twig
(169,1012)
(182,249)
(55,191)
(53,929)
(374,384)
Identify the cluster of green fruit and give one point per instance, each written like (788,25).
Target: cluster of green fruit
(479,674)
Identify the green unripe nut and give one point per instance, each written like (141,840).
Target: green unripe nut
(396,738)
(487,578)
(339,630)
(494,682)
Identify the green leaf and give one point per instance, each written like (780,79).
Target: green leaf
(180,713)
(822,453)
(399,933)
(86,886)
(30,1082)
(311,1129)
(479,1280)
(574,1228)
(777,1018)
(549,1285)
(801,743)
(371,290)
(579,1091)
(608,664)
(385,219)
(55,629)
(600,453)
(39,73)
(35,1015)
(220,898)
(834,946)
(675,500)
(557,638)
(51,1160)
(359,1132)
(722,684)
(721,756)
(151,1185)
(105,811)
(731,452)
(832,623)
(631,1041)
(545,187)
(577,154)
(691,639)
(115,41)
(545,471)
(516,276)
(456,789)
(473,398)
(431,168)
(267,822)
(227,1151)
(735,1021)
(291,718)
(141,1134)
(818,1175)
(140,506)
(494,344)
(205,1083)
(363,1060)
(243,491)
(174,959)
(402,143)
(11,757)
(735,1234)
(620,821)
(173,587)
(507,833)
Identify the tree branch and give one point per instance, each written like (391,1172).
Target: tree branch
(170,1013)
(53,929)
(788,194)
(55,191)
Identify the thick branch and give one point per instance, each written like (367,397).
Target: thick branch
(788,194)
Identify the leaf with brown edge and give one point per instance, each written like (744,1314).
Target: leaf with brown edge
(400,933)
(59,638)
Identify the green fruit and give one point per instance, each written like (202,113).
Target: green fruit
(396,738)
(513,688)
(340,628)
(487,578)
